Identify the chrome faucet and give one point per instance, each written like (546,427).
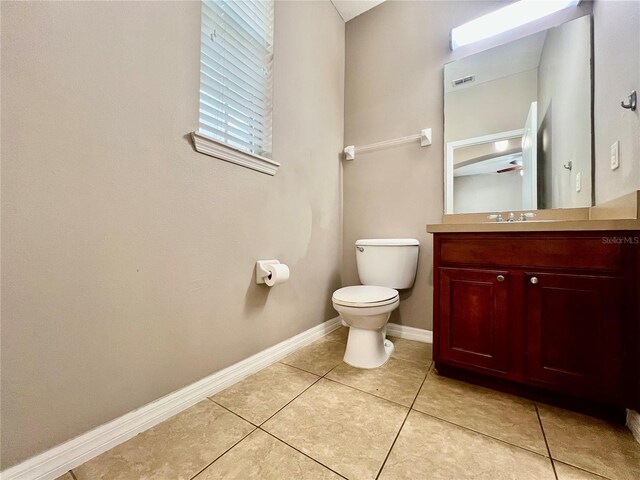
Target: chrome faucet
(511,217)
(525,215)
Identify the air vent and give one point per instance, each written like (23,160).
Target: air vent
(463,80)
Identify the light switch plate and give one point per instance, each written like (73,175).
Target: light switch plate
(615,155)
(578,181)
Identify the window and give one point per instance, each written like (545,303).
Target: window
(236,71)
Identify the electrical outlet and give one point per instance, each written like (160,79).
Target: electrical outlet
(615,155)
(578,181)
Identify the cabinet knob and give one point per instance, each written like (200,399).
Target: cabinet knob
(534,280)
(500,278)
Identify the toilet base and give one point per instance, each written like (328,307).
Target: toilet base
(367,348)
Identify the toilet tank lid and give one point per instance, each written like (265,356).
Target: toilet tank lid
(387,242)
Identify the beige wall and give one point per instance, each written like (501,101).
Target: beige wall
(564,99)
(617,72)
(128,258)
(394,74)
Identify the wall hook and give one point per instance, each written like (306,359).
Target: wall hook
(633,102)
(568,166)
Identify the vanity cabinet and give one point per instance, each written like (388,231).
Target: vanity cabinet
(554,312)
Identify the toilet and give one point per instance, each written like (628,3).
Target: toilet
(385,265)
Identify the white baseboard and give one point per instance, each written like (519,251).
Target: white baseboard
(59,460)
(410,333)
(633,423)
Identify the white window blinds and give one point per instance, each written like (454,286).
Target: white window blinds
(236,62)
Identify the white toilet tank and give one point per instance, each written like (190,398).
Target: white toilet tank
(387,262)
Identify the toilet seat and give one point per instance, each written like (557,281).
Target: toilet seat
(365,296)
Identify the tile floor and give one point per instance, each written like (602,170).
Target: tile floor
(311,416)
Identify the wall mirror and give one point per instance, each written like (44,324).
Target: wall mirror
(518,124)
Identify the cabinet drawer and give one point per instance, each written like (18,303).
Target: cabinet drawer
(576,253)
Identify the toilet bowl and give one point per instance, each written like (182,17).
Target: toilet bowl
(384,265)
(366,310)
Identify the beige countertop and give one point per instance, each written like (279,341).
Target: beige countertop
(618,214)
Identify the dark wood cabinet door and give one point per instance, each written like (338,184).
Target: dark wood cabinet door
(574,334)
(473,318)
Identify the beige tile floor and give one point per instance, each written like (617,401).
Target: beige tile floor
(311,416)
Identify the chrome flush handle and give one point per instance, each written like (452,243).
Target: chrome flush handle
(360,249)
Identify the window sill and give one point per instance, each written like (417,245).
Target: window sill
(210,147)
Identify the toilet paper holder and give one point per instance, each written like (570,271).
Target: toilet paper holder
(261,269)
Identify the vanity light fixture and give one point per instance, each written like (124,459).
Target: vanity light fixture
(504,19)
